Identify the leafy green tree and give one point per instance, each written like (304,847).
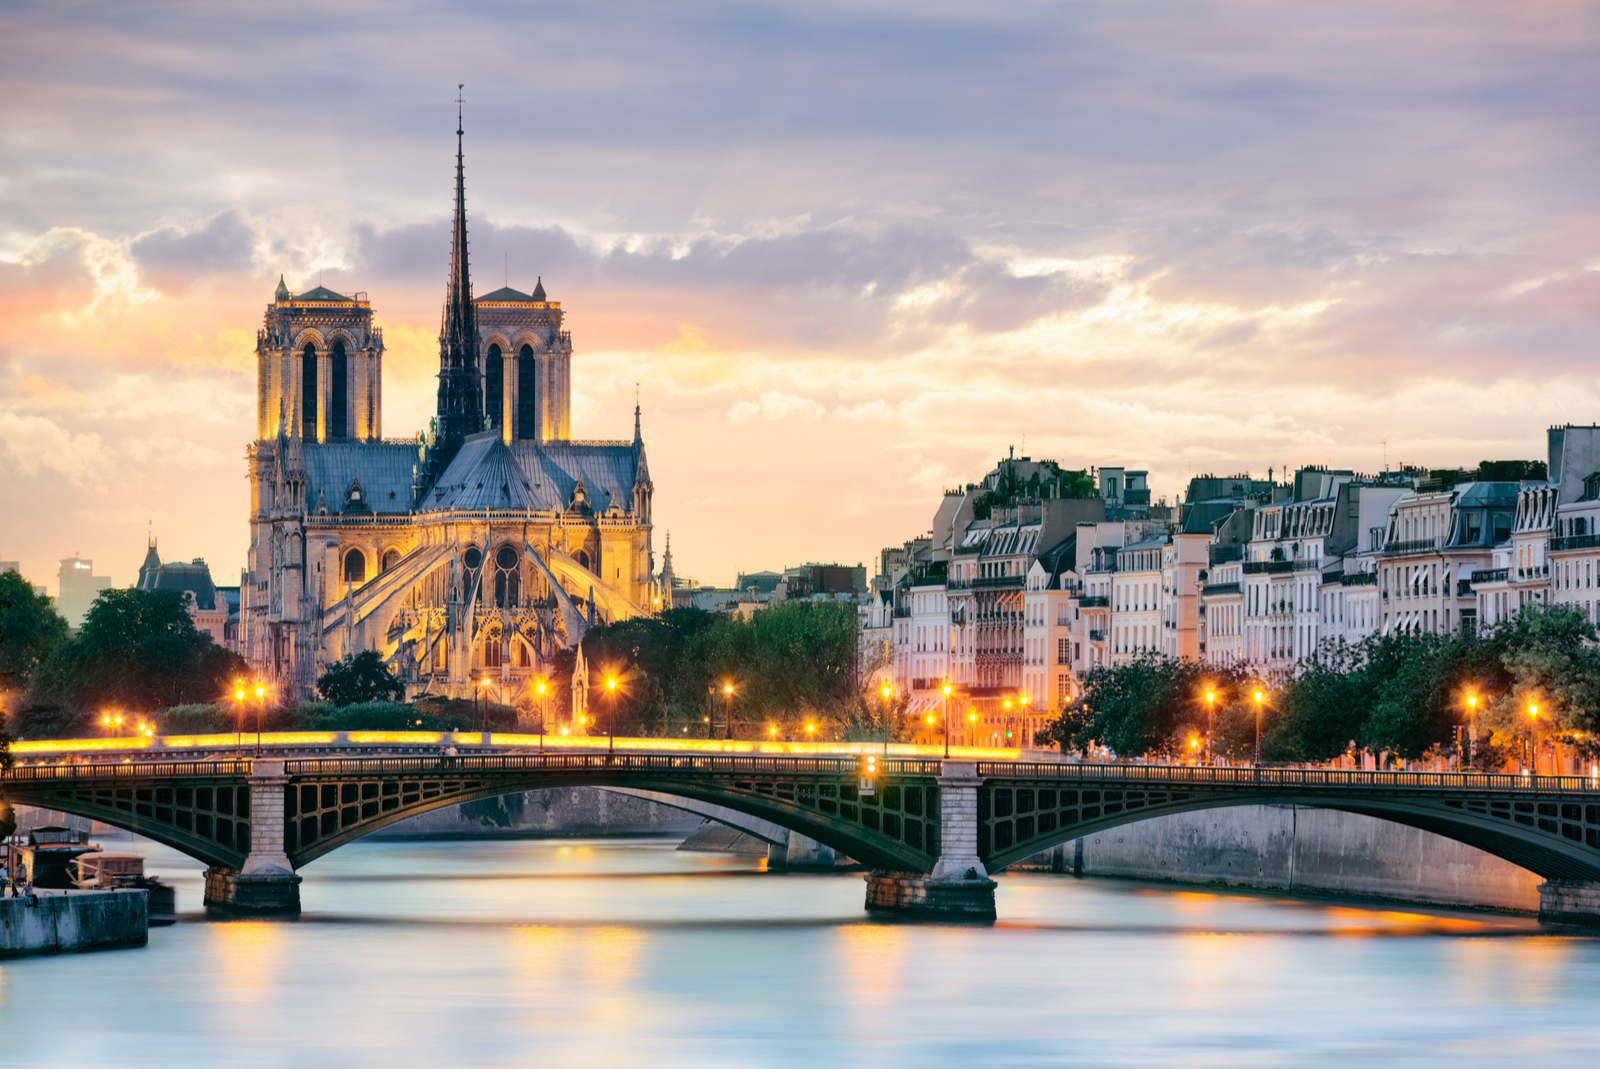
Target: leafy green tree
(361,678)
(138,651)
(30,628)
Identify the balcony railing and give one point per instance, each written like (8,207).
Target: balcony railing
(1213,590)
(1583,541)
(1268,567)
(1491,575)
(1094,603)
(1224,554)
(1359,579)
(998,583)
(1097,636)
(1416,545)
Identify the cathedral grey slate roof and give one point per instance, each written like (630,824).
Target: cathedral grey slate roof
(505,293)
(483,475)
(322,293)
(384,469)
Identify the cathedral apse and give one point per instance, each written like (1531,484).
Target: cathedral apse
(472,552)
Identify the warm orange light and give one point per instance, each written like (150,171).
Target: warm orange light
(1258,697)
(947,689)
(1024,699)
(105,720)
(772,731)
(261,692)
(1211,695)
(1533,710)
(888,691)
(1472,700)
(810,728)
(611,684)
(727,688)
(541,686)
(239,694)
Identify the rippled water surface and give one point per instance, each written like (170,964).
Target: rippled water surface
(629,953)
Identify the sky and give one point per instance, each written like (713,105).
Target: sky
(849,254)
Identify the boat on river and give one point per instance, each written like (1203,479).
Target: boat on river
(103,870)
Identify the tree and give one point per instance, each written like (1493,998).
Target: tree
(138,651)
(30,628)
(362,678)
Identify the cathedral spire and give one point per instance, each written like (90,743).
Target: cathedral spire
(460,391)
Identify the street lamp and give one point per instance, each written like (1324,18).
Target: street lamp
(261,709)
(1024,715)
(544,711)
(611,685)
(238,720)
(727,711)
(946,718)
(1472,728)
(888,695)
(1211,725)
(1258,697)
(1533,736)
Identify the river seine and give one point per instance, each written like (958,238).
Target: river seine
(601,953)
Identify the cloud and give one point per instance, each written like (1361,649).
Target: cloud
(172,259)
(775,405)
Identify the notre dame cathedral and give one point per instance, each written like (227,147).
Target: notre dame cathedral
(467,555)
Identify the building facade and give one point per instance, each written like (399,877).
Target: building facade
(466,556)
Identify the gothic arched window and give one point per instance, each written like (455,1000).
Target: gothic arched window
(355,567)
(338,393)
(494,385)
(582,557)
(308,392)
(527,394)
(391,557)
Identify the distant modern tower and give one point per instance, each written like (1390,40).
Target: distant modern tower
(79,587)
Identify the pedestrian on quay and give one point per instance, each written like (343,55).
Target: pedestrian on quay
(5,880)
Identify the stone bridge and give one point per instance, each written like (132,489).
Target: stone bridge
(931,832)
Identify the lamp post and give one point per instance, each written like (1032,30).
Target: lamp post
(261,710)
(1472,728)
(888,693)
(1007,717)
(946,718)
(727,711)
(1023,716)
(238,721)
(611,685)
(1211,725)
(1533,737)
(544,711)
(1258,697)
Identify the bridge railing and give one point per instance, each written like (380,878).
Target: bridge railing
(1285,777)
(124,770)
(724,763)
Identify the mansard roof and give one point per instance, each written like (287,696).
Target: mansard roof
(177,578)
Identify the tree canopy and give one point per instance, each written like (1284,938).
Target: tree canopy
(358,679)
(30,628)
(139,651)
(1401,694)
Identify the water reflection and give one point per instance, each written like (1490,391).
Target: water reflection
(627,953)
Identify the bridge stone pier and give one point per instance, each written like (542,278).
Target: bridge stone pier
(959,887)
(1570,902)
(266,882)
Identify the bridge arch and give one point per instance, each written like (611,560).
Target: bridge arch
(328,803)
(1554,833)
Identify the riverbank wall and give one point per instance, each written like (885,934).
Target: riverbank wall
(64,922)
(1299,850)
(557,812)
